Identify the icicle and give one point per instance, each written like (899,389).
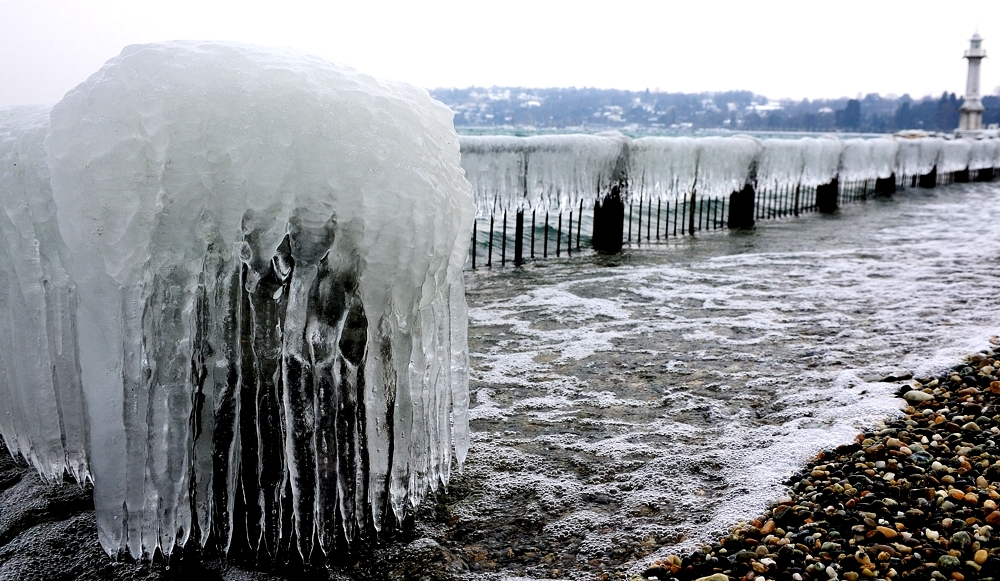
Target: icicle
(42,412)
(495,166)
(821,160)
(884,153)
(550,172)
(663,168)
(930,155)
(781,163)
(908,161)
(983,154)
(856,160)
(955,155)
(724,164)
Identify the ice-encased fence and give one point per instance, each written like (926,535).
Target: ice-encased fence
(542,171)
(955,155)
(266,254)
(552,189)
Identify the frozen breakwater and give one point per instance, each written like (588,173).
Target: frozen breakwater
(614,190)
(232,298)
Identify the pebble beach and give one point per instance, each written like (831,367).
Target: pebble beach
(915,498)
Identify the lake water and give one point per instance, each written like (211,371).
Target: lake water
(627,407)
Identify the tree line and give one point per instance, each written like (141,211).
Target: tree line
(594,109)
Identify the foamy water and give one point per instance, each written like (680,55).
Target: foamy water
(625,408)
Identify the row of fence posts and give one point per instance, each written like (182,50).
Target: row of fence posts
(519,236)
(613,222)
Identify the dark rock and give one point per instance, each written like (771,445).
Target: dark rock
(948,563)
(48,532)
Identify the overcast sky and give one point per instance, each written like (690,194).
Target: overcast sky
(779,49)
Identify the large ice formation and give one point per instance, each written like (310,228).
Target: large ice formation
(930,155)
(724,164)
(42,413)
(955,155)
(821,157)
(908,159)
(664,167)
(781,162)
(553,172)
(511,173)
(266,254)
(985,154)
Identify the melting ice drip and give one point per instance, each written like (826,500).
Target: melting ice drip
(558,171)
(266,250)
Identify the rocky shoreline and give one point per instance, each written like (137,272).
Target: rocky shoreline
(917,498)
(48,532)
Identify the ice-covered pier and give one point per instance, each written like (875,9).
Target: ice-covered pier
(543,196)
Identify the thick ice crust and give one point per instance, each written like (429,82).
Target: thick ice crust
(42,414)
(542,171)
(552,172)
(268,250)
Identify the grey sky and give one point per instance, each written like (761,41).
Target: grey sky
(779,49)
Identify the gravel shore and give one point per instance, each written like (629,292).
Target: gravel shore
(914,499)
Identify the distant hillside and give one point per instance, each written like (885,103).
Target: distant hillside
(599,109)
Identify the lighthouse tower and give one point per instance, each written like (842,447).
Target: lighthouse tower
(971,119)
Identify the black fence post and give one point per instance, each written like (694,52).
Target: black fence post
(489,252)
(649,220)
(532,234)
(659,205)
(742,209)
(677,205)
(518,237)
(827,197)
(639,231)
(545,239)
(569,235)
(928,180)
(630,222)
(885,186)
(694,197)
(559,235)
(503,241)
(473,245)
(609,223)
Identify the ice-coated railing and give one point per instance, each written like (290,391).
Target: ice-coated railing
(677,185)
(232,298)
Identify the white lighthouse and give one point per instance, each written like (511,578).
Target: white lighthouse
(971,119)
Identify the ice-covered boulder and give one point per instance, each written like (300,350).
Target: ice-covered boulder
(266,249)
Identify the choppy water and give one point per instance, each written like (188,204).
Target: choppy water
(627,407)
